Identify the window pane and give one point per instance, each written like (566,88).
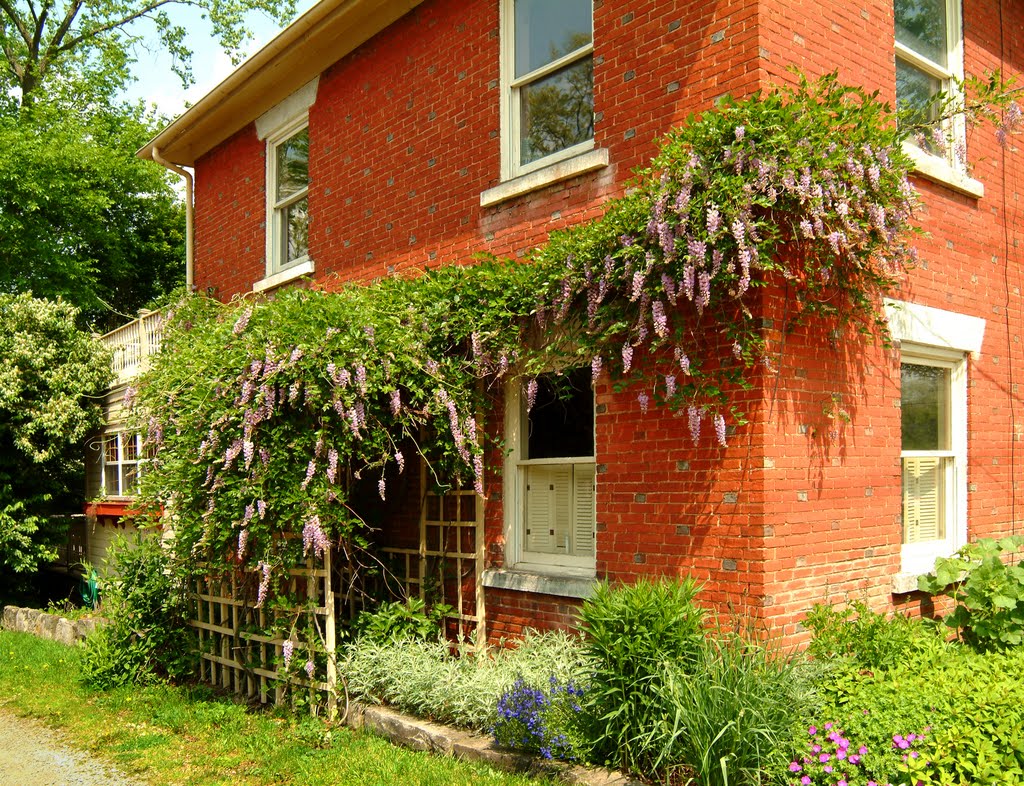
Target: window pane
(545,30)
(295,235)
(924,406)
(111,454)
(916,92)
(561,423)
(130,445)
(557,111)
(293,165)
(921,26)
(129,478)
(110,482)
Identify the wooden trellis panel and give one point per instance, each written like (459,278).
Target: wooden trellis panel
(448,566)
(237,652)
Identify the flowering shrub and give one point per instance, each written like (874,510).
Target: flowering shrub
(831,758)
(539,721)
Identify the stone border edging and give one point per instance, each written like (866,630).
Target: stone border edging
(396,727)
(424,735)
(47,626)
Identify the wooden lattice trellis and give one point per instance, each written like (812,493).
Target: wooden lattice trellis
(238,655)
(448,565)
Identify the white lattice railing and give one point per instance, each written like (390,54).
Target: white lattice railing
(132,344)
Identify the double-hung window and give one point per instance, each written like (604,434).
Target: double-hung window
(121,460)
(287,199)
(929,65)
(933,427)
(548,82)
(550,474)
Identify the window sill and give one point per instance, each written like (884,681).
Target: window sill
(304,268)
(559,585)
(534,181)
(940,171)
(904,583)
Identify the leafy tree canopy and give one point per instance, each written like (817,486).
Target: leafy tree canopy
(81,218)
(50,379)
(83,48)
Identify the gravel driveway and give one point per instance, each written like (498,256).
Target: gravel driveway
(33,755)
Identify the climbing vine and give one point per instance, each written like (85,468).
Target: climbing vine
(280,416)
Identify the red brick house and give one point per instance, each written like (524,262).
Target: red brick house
(382,136)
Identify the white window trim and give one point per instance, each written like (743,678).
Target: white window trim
(516,556)
(946,170)
(273,251)
(510,167)
(934,336)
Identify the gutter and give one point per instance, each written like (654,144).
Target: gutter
(189,222)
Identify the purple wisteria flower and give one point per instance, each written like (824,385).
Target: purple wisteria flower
(313,537)
(243,540)
(310,471)
(382,488)
(720,429)
(287,650)
(595,368)
(627,357)
(309,668)
(531,394)
(645,401)
(242,321)
(261,595)
(694,416)
(400,460)
(670,385)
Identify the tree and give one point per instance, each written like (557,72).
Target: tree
(50,376)
(56,44)
(83,219)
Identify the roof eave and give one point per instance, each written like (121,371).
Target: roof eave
(312,43)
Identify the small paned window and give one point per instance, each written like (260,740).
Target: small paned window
(121,464)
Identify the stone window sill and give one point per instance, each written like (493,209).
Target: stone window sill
(939,171)
(534,181)
(542,584)
(304,268)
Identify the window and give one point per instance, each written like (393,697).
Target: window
(929,61)
(548,83)
(120,465)
(933,425)
(550,511)
(287,199)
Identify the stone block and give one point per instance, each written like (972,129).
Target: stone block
(65,632)
(10,618)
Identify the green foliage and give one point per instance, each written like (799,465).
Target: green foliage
(871,640)
(425,679)
(964,709)
(727,719)
(633,634)
(989,594)
(543,720)
(146,638)
(408,620)
(50,374)
(81,218)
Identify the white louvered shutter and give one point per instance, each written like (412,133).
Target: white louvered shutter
(923,499)
(583,510)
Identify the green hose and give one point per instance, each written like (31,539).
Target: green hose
(89,587)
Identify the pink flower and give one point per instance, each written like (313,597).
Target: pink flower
(531,394)
(287,649)
(242,321)
(243,539)
(645,401)
(595,367)
(261,596)
(309,669)
(627,358)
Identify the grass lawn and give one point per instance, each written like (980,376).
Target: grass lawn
(171,735)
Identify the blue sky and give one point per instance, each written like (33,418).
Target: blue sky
(157,84)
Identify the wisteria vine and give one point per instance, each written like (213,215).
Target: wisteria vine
(271,417)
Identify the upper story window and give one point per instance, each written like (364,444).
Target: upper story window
(287,202)
(929,65)
(121,463)
(550,503)
(548,83)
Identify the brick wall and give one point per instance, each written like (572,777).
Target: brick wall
(404,136)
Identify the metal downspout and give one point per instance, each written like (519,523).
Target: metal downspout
(189,236)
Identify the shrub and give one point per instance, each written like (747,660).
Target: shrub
(870,639)
(728,718)
(425,677)
(394,620)
(146,638)
(631,634)
(969,706)
(989,594)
